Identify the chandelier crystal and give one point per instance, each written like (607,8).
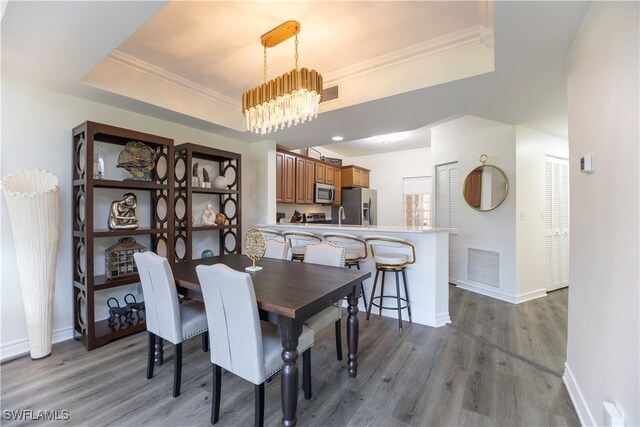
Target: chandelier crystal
(287,100)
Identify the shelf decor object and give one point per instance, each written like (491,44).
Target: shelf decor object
(255,245)
(138,159)
(208,215)
(118,258)
(33,203)
(219,182)
(122,215)
(90,238)
(287,100)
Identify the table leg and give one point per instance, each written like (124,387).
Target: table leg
(352,331)
(159,352)
(290,331)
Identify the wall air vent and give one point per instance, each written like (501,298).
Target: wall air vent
(329,94)
(483,266)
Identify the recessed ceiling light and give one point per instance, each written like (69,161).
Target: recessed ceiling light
(337,138)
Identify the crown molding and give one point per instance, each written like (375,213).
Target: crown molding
(468,36)
(138,65)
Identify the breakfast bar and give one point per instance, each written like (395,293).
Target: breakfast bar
(427,279)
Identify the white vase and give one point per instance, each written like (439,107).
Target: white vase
(32,198)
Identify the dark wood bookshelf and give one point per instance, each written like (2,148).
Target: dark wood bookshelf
(160,190)
(189,154)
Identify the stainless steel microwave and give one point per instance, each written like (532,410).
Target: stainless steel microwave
(324,193)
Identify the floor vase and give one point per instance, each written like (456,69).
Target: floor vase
(32,200)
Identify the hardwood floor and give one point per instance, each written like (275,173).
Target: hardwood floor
(498,364)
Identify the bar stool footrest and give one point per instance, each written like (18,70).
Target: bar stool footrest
(372,302)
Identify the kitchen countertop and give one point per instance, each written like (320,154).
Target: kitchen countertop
(347,228)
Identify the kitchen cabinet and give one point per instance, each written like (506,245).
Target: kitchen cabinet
(279,177)
(355,176)
(329,175)
(300,180)
(338,183)
(309,180)
(296,176)
(320,172)
(289,193)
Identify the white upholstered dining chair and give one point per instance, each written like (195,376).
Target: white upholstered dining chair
(325,253)
(240,342)
(165,317)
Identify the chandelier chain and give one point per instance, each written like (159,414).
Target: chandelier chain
(265,64)
(296,51)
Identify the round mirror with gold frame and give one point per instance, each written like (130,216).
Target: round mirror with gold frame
(485,187)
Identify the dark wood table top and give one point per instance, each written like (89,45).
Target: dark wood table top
(290,288)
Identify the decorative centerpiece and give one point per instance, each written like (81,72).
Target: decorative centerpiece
(118,258)
(122,215)
(208,215)
(255,246)
(138,159)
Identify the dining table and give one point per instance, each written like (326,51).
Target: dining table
(294,292)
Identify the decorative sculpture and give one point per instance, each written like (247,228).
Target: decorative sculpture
(138,159)
(122,215)
(206,182)
(255,245)
(208,215)
(117,313)
(134,305)
(195,180)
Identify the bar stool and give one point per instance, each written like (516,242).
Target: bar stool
(271,234)
(299,241)
(356,251)
(396,262)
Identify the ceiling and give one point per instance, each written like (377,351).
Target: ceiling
(399,66)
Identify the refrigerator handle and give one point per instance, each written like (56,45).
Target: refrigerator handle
(370,213)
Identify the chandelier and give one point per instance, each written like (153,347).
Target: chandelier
(287,100)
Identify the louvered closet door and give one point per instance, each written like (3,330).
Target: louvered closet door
(447,199)
(556,223)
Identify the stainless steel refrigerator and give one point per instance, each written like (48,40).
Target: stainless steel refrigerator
(360,207)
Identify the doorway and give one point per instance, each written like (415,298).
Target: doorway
(556,222)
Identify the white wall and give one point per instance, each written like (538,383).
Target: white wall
(464,140)
(532,147)
(36,133)
(603,342)
(386,176)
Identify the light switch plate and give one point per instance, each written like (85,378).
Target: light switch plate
(586,163)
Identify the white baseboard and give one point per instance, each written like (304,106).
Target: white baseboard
(20,347)
(577,398)
(517,299)
(442,319)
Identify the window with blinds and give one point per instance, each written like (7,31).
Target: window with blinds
(417,201)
